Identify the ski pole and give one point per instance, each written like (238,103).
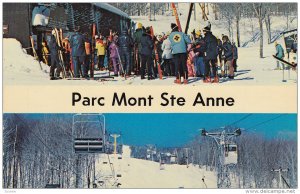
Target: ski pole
(283,80)
(121,63)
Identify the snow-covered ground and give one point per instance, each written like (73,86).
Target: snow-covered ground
(20,68)
(137,173)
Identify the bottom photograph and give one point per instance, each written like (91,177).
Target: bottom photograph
(150,151)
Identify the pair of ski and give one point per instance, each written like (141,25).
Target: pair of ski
(34,52)
(59,37)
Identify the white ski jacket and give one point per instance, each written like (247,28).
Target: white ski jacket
(167,49)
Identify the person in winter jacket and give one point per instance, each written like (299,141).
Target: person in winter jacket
(77,41)
(137,46)
(55,64)
(167,56)
(199,49)
(45,52)
(210,55)
(279,54)
(125,44)
(67,50)
(146,54)
(113,50)
(220,51)
(101,51)
(235,56)
(179,42)
(228,56)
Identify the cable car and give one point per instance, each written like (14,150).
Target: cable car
(231,155)
(89,133)
(173,159)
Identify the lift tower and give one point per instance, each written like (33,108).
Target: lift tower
(227,154)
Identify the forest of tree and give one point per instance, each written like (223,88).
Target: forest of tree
(37,152)
(257,156)
(262,14)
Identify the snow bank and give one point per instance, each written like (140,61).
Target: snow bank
(137,173)
(19,67)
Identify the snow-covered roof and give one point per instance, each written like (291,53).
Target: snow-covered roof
(111,8)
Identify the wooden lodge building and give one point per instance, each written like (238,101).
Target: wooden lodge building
(20,20)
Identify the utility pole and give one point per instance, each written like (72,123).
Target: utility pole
(222,138)
(115,136)
(280,170)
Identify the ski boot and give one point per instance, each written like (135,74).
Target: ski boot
(177,81)
(151,78)
(185,81)
(216,80)
(231,77)
(207,80)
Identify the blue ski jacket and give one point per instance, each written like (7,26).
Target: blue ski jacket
(279,51)
(147,45)
(77,45)
(179,42)
(227,47)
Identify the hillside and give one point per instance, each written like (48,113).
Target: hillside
(137,173)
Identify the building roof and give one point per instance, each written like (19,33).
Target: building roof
(111,8)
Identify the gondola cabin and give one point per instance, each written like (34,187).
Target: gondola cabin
(231,155)
(173,159)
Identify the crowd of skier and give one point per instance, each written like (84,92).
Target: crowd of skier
(199,54)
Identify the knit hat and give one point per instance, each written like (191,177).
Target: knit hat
(206,29)
(148,30)
(173,25)
(139,25)
(198,33)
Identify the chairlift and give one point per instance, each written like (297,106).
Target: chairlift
(231,155)
(89,133)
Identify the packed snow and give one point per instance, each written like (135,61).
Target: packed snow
(20,68)
(138,173)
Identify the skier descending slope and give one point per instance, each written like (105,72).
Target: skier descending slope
(211,54)
(53,47)
(179,42)
(78,52)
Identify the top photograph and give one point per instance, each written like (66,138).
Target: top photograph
(196,44)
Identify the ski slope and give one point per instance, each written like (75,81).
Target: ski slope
(20,68)
(137,173)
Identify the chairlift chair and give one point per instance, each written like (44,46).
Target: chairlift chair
(89,133)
